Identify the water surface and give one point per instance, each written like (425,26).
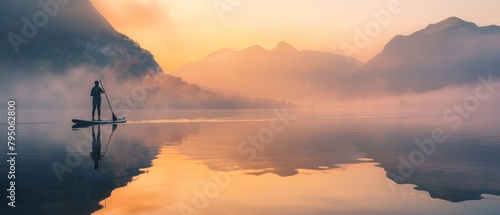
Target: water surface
(251,162)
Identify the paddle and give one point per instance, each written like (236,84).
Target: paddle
(114,117)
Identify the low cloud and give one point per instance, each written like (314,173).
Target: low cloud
(71,90)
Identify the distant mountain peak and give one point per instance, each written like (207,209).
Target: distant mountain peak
(284,46)
(255,48)
(453,20)
(449,24)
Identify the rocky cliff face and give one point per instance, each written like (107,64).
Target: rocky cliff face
(52,36)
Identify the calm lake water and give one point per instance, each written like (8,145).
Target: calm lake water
(255,162)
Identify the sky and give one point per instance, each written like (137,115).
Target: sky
(181,31)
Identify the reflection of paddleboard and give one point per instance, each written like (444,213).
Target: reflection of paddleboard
(81,122)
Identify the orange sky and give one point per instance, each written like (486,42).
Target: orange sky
(181,31)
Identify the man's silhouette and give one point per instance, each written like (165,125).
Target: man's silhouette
(96,147)
(95,93)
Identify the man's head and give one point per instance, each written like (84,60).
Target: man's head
(96,83)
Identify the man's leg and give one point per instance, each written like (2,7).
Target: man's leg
(94,106)
(99,109)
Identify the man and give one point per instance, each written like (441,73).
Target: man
(95,93)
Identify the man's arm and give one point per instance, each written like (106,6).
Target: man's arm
(91,92)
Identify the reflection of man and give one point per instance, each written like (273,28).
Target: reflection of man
(96,147)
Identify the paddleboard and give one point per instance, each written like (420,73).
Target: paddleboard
(98,122)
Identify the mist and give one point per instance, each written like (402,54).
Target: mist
(68,90)
(154,90)
(431,102)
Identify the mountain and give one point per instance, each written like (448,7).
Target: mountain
(52,37)
(452,52)
(53,50)
(281,73)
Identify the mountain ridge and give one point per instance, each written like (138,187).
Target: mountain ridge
(73,34)
(274,71)
(450,52)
